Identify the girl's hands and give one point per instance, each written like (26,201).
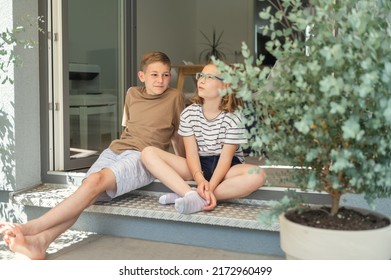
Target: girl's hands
(204,191)
(212,202)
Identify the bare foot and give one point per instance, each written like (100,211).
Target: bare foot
(6,228)
(29,246)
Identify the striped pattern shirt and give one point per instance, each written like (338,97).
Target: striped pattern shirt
(211,135)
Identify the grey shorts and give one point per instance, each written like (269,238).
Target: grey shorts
(128,169)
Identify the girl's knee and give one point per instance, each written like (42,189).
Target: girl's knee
(147,154)
(261,174)
(258,176)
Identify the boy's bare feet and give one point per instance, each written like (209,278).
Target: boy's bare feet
(5,227)
(29,246)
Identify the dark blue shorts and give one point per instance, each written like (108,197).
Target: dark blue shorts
(209,163)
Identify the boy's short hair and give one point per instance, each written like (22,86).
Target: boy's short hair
(152,57)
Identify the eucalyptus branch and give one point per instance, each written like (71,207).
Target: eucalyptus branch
(11,38)
(288,23)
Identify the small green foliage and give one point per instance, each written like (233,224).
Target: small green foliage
(290,200)
(10,39)
(325,106)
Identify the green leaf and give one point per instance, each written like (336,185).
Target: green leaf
(304,124)
(351,128)
(387,112)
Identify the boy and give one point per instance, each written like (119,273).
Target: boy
(151,115)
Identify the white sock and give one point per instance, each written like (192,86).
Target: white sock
(168,198)
(192,202)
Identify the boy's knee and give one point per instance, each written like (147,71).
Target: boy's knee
(97,182)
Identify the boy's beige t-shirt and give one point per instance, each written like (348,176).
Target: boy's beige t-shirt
(150,120)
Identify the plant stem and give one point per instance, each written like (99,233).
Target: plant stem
(335,196)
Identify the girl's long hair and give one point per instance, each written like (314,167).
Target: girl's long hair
(229,101)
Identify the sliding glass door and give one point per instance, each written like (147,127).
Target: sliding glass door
(91,42)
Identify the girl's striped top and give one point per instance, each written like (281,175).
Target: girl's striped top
(211,135)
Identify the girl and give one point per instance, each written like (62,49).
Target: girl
(212,133)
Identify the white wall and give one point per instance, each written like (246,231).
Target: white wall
(24,166)
(166,26)
(173,26)
(6,99)
(234,17)
(27,111)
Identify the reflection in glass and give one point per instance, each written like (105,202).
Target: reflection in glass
(93,75)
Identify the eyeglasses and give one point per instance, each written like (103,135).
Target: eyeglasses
(207,77)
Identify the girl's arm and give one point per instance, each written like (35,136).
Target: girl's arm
(177,145)
(223,165)
(192,157)
(220,172)
(193,162)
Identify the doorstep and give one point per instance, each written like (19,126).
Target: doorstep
(239,213)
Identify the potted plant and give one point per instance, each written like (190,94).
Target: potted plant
(214,47)
(325,108)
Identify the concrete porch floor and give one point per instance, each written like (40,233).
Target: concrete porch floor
(76,245)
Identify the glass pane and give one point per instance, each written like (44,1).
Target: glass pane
(94,74)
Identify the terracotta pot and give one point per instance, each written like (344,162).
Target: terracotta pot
(309,243)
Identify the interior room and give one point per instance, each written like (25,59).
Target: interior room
(184,30)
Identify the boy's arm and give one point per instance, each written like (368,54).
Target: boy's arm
(177,145)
